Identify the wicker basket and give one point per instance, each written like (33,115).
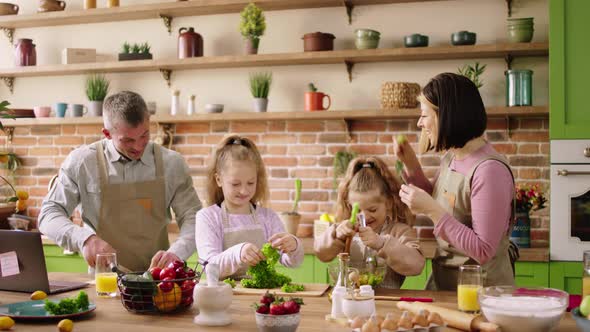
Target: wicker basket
(399,95)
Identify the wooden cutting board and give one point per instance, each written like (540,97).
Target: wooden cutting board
(311,290)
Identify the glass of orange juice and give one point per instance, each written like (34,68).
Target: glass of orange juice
(470,281)
(106,279)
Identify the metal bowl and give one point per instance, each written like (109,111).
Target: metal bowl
(214,108)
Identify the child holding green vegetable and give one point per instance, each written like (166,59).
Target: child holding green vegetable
(388,230)
(234,228)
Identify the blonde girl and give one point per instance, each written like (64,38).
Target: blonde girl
(232,230)
(388,230)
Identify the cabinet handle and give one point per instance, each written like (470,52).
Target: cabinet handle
(587,152)
(565,172)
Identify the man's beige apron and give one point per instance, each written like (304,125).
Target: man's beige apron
(453,192)
(133,215)
(231,237)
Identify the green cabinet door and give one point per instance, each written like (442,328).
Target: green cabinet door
(57,261)
(566,276)
(569,68)
(532,274)
(303,273)
(419,281)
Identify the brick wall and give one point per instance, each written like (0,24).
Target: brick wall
(292,149)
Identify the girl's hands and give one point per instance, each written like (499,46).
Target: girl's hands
(251,254)
(370,238)
(344,230)
(283,241)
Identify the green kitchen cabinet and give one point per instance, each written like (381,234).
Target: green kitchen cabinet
(566,276)
(303,273)
(57,261)
(569,69)
(419,281)
(530,274)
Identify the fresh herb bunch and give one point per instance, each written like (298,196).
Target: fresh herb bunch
(97,87)
(292,288)
(68,305)
(260,84)
(529,198)
(252,23)
(473,73)
(230,282)
(264,274)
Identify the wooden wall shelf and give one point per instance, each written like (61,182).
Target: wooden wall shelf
(172,9)
(531,111)
(288,59)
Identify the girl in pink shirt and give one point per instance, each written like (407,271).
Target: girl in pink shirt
(232,230)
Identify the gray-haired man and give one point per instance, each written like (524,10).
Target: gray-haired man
(125,186)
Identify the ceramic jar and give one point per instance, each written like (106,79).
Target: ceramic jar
(366,39)
(318,41)
(520,30)
(25,53)
(190,43)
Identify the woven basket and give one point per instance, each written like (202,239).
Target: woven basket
(399,95)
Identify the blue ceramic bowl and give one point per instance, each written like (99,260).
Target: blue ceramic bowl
(416,40)
(463,38)
(582,322)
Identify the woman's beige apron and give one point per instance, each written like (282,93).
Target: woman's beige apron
(133,215)
(453,192)
(231,237)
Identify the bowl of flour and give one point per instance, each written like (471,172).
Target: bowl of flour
(519,309)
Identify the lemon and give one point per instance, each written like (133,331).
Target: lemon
(327,217)
(6,323)
(401,139)
(22,195)
(65,325)
(38,295)
(168,301)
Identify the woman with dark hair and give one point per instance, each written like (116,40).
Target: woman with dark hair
(470,199)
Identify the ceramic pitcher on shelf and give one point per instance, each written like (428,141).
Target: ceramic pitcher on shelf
(25,53)
(190,43)
(51,6)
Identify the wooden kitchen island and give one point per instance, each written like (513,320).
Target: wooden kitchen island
(111,316)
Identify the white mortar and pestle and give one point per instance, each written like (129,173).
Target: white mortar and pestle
(213,299)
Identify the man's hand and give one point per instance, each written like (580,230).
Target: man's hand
(163,258)
(250,254)
(283,241)
(93,246)
(370,238)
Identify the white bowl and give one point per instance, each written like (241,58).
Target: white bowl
(277,323)
(214,108)
(523,309)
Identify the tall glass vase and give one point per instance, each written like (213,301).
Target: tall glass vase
(521,232)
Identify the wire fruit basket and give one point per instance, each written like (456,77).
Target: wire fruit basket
(165,290)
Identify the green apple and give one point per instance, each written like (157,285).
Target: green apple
(401,139)
(585,306)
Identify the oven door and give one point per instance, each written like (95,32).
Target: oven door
(570,211)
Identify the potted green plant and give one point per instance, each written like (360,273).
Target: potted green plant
(473,73)
(260,87)
(341,160)
(135,52)
(292,218)
(97,88)
(252,26)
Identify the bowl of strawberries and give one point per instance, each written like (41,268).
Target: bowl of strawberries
(276,314)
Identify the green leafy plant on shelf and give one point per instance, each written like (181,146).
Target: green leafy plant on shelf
(340,164)
(135,48)
(97,87)
(473,73)
(252,24)
(11,162)
(260,84)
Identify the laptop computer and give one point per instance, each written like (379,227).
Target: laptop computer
(32,274)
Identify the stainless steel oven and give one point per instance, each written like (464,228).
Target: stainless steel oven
(570,199)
